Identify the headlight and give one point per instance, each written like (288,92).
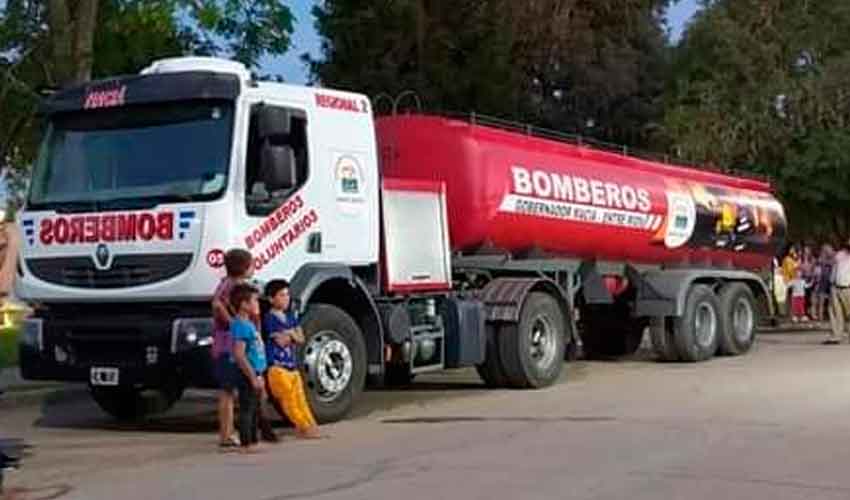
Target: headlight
(31,333)
(189,333)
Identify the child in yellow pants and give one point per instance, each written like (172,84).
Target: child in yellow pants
(287,387)
(284,379)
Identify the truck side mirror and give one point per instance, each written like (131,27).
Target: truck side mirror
(277,167)
(273,123)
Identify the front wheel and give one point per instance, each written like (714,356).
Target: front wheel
(128,403)
(334,357)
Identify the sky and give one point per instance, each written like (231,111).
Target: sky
(305,38)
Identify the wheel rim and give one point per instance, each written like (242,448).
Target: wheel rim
(328,362)
(743,320)
(543,345)
(705,325)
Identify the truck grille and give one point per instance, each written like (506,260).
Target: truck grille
(126,270)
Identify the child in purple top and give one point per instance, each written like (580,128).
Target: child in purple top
(239,266)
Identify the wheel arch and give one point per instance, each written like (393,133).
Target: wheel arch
(503,299)
(338,286)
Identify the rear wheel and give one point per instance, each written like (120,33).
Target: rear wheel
(696,332)
(334,357)
(128,403)
(738,319)
(532,352)
(491,371)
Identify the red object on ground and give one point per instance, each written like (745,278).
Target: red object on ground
(515,193)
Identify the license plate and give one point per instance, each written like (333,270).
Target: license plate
(104,376)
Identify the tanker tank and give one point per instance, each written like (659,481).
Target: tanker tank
(521,194)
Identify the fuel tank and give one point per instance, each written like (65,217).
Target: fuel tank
(522,194)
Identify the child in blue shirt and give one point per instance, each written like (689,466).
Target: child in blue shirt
(284,378)
(250,358)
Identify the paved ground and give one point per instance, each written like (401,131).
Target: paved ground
(773,424)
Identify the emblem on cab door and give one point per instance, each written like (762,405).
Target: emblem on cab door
(350,184)
(102,258)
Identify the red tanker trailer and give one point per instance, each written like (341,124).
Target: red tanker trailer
(631,242)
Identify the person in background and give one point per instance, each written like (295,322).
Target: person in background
(839,300)
(798,298)
(823,275)
(807,270)
(284,378)
(789,271)
(780,289)
(239,266)
(250,358)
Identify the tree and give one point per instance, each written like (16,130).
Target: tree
(71,26)
(557,63)
(57,43)
(761,85)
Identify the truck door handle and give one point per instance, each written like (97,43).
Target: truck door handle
(314,243)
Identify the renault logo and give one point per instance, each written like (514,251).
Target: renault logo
(102,257)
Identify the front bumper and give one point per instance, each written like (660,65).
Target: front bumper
(139,340)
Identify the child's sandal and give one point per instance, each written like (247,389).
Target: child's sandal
(229,445)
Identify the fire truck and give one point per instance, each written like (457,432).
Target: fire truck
(413,243)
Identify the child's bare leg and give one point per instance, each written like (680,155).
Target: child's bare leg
(225,415)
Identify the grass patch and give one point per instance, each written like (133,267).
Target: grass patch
(9,347)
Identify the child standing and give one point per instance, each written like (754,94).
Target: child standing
(249,356)
(284,378)
(798,297)
(239,266)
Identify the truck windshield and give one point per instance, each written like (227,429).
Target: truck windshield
(133,157)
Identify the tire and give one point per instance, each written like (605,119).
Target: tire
(663,339)
(334,355)
(738,319)
(697,331)
(128,404)
(491,371)
(611,332)
(532,352)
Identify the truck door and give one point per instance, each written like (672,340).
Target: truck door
(281,202)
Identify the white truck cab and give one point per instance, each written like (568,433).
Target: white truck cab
(144,182)
(140,191)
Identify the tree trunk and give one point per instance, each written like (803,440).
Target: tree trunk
(86,21)
(61,31)
(72,25)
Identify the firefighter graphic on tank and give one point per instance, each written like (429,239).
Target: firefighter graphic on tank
(728,220)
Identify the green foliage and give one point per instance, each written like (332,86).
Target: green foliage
(132,32)
(128,35)
(247,29)
(562,64)
(763,85)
